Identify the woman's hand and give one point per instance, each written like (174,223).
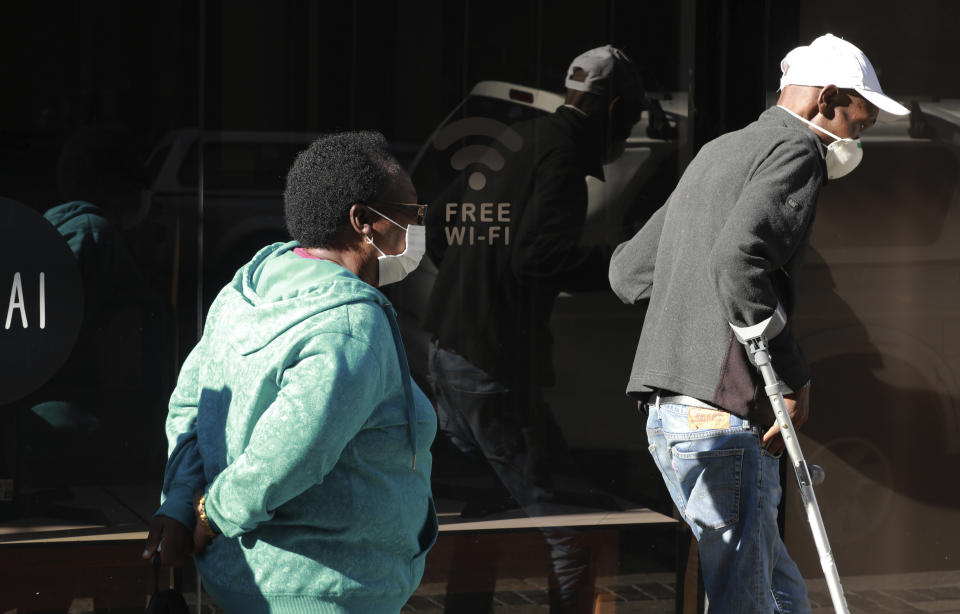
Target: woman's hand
(170,539)
(200,539)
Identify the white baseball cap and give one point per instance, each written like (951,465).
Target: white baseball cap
(599,64)
(829,60)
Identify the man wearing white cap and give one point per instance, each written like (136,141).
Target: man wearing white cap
(723,253)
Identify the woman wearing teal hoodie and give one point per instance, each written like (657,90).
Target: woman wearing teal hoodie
(295,417)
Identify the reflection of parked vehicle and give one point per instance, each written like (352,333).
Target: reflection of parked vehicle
(241,210)
(878,322)
(243,176)
(588,401)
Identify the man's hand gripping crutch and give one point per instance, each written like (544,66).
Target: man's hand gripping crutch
(755,339)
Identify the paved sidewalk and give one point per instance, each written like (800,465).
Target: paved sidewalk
(914,592)
(654,594)
(646,593)
(930,592)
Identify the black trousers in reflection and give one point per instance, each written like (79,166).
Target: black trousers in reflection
(482,417)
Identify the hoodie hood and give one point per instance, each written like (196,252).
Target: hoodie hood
(61,214)
(279,289)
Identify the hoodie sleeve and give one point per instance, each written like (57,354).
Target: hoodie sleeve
(768,224)
(184,471)
(633,263)
(323,402)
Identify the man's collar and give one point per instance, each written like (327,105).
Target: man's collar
(784,118)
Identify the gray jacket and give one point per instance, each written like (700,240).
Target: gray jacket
(723,250)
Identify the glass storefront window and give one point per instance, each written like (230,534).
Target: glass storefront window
(143,158)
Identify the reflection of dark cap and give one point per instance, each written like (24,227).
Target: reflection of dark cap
(608,72)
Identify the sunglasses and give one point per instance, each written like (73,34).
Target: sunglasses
(421,209)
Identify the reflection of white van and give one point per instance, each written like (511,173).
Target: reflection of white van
(884,279)
(609,200)
(588,401)
(879,321)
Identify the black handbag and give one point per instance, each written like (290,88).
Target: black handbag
(168,600)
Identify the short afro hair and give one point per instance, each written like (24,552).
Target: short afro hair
(327,178)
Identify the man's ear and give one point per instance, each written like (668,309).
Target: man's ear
(827,100)
(613,105)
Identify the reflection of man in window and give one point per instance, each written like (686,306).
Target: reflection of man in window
(79,427)
(506,244)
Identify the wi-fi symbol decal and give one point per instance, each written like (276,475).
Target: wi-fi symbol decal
(478,154)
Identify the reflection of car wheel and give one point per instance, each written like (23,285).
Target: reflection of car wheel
(855,497)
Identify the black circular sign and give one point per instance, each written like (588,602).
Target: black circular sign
(41,300)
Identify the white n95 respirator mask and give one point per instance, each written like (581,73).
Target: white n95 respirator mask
(843,155)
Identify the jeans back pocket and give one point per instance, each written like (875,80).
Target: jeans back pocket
(710,483)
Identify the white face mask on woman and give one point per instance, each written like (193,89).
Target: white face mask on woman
(395,267)
(843,155)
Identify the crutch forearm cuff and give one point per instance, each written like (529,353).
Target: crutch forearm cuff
(768,329)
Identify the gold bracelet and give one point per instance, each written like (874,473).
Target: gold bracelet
(202,513)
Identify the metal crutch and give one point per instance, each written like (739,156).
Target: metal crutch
(754,338)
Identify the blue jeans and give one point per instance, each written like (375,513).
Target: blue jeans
(483,417)
(727,488)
